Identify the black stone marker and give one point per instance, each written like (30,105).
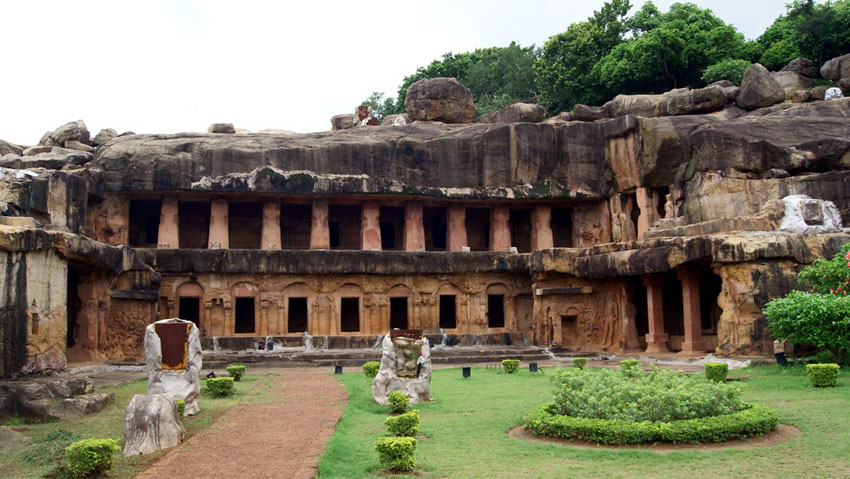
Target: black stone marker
(338,369)
(532,367)
(466,371)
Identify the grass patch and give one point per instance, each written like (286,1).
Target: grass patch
(463,433)
(47,446)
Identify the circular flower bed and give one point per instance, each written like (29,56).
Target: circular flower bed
(633,407)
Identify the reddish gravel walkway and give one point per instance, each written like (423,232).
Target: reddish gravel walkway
(283,439)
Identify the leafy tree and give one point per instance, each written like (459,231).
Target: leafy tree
(669,50)
(564,72)
(732,70)
(497,76)
(381,106)
(820,318)
(816,31)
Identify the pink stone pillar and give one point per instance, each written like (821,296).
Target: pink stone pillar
(414,230)
(320,235)
(271,225)
(656,340)
(456,235)
(500,232)
(541,228)
(690,308)
(219,232)
(168,230)
(647,211)
(370,227)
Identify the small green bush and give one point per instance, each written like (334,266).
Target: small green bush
(406,424)
(371,368)
(181,406)
(90,456)
(750,422)
(630,367)
(716,372)
(398,453)
(823,375)
(220,386)
(580,362)
(398,401)
(236,371)
(732,70)
(510,365)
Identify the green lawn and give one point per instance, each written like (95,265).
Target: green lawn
(464,433)
(39,456)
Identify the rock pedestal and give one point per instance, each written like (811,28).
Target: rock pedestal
(405,367)
(173,361)
(151,423)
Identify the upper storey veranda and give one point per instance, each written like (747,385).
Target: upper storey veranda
(469,161)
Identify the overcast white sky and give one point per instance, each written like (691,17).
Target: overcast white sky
(170,66)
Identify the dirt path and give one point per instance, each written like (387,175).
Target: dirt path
(281,439)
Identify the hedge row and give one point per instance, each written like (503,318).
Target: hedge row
(753,421)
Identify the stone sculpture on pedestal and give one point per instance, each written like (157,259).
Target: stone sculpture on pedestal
(173,361)
(405,367)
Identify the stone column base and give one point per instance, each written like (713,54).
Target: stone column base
(656,343)
(694,348)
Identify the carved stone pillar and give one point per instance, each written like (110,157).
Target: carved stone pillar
(456,228)
(541,228)
(648,214)
(219,237)
(500,232)
(370,227)
(168,219)
(271,225)
(693,343)
(656,340)
(414,230)
(320,236)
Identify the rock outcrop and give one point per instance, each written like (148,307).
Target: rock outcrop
(151,424)
(791,82)
(759,89)
(75,130)
(405,367)
(343,121)
(836,68)
(439,99)
(802,66)
(221,128)
(520,113)
(104,136)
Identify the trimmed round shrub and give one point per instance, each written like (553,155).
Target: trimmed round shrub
(371,368)
(220,387)
(406,424)
(580,362)
(823,375)
(236,371)
(751,422)
(630,367)
(398,401)
(181,406)
(510,366)
(716,372)
(397,453)
(90,456)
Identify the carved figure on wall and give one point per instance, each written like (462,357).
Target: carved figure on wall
(405,367)
(668,207)
(173,361)
(609,320)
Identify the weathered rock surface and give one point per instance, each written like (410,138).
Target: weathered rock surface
(759,89)
(49,399)
(151,424)
(588,113)
(819,92)
(75,130)
(792,82)
(800,96)
(221,128)
(836,68)
(405,367)
(802,66)
(182,383)
(343,121)
(104,136)
(439,99)
(396,120)
(89,403)
(810,216)
(520,112)
(7,148)
(681,101)
(76,145)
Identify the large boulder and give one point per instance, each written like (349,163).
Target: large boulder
(439,99)
(837,68)
(343,121)
(405,367)
(104,136)
(151,424)
(396,120)
(681,101)
(7,148)
(588,113)
(520,113)
(802,66)
(759,89)
(173,361)
(74,130)
(221,128)
(792,82)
